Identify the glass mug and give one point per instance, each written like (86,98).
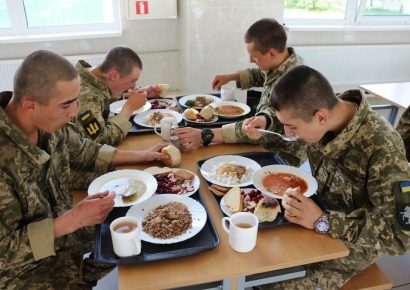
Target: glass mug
(166,125)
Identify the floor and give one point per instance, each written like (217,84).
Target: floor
(396,268)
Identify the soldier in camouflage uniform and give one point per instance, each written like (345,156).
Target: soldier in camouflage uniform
(403,127)
(363,177)
(40,229)
(266,44)
(104,84)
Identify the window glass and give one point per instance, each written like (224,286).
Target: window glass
(387,8)
(4,15)
(315,9)
(42,13)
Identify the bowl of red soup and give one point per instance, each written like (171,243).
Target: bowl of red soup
(274,180)
(231,109)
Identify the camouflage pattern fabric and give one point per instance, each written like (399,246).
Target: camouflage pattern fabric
(356,171)
(93,119)
(403,127)
(255,77)
(35,187)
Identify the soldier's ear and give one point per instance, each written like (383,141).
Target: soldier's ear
(113,74)
(28,104)
(322,116)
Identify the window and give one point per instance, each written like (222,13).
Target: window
(347,12)
(34,19)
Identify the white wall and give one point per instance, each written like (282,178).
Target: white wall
(206,38)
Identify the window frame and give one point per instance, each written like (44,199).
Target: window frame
(20,32)
(354,18)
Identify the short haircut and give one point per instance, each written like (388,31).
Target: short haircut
(303,90)
(122,59)
(38,74)
(265,34)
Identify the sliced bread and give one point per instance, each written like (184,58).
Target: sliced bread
(233,199)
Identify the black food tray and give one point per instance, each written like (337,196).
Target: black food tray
(221,121)
(206,239)
(135,129)
(264,159)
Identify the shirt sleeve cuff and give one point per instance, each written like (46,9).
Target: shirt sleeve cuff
(123,123)
(244,80)
(104,157)
(41,237)
(229,133)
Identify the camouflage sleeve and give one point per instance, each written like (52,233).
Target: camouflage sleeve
(252,77)
(292,153)
(376,226)
(403,127)
(91,123)
(88,160)
(21,243)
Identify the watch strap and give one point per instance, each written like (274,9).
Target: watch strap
(207,135)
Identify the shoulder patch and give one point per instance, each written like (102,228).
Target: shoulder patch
(90,124)
(402,197)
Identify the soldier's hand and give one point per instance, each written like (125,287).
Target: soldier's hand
(94,209)
(300,209)
(250,125)
(136,99)
(218,81)
(189,138)
(152,91)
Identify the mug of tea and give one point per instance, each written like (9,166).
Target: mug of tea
(126,236)
(227,93)
(166,125)
(242,228)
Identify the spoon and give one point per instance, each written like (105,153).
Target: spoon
(286,138)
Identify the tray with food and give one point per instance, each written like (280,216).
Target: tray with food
(173,226)
(209,110)
(146,121)
(232,186)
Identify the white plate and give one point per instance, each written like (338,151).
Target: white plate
(209,166)
(223,206)
(139,119)
(196,209)
(164,102)
(246,109)
(183,100)
(116,107)
(107,180)
(261,173)
(195,183)
(214,119)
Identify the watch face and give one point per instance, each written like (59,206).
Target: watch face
(322,226)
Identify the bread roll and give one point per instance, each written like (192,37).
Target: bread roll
(233,199)
(294,191)
(174,156)
(190,114)
(267,209)
(163,90)
(207,113)
(183,174)
(156,170)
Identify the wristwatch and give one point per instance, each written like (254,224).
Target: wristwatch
(322,223)
(207,136)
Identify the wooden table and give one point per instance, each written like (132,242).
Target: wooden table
(396,94)
(277,248)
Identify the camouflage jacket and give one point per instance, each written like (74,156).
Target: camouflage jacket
(255,77)
(94,108)
(403,127)
(356,171)
(35,187)
(292,153)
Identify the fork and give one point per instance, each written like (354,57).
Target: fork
(286,138)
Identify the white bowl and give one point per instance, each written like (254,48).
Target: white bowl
(259,175)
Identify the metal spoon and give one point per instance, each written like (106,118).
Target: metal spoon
(286,138)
